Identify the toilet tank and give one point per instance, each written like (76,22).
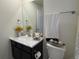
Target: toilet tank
(55,52)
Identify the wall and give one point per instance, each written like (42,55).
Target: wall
(69,23)
(59,5)
(77,4)
(77,41)
(77,34)
(68,33)
(8,10)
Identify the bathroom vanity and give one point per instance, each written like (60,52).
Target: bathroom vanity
(27,48)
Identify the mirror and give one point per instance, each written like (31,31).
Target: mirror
(32,11)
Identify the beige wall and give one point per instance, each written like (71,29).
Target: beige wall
(78,25)
(8,9)
(59,5)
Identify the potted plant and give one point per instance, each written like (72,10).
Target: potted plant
(28,29)
(18,30)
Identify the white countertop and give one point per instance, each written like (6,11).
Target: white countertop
(28,41)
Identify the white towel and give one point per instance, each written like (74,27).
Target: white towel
(52,25)
(38,55)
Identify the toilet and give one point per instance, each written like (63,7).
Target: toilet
(55,52)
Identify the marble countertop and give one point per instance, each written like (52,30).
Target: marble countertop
(27,41)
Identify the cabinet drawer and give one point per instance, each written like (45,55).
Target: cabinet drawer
(27,49)
(38,47)
(16,44)
(19,46)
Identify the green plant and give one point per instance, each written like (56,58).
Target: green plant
(28,28)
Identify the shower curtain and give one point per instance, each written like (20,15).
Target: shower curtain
(52,25)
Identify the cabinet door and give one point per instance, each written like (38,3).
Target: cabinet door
(17,53)
(26,55)
(38,48)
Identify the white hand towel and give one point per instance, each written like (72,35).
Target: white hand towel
(52,25)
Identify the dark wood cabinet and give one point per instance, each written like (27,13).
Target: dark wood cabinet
(26,55)
(17,53)
(20,51)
